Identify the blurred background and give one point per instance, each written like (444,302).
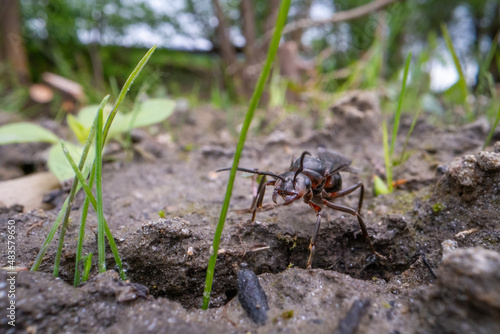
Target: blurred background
(59,55)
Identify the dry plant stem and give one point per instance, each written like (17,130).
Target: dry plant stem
(283,13)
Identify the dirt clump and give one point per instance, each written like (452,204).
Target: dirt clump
(466,295)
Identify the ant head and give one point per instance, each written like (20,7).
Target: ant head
(291,187)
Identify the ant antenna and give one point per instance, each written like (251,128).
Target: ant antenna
(253,171)
(301,167)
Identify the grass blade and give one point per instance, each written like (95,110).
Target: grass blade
(492,130)
(81,236)
(387,157)
(101,246)
(86,270)
(397,116)
(462,83)
(407,139)
(282,15)
(125,89)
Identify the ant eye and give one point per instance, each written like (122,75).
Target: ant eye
(307,182)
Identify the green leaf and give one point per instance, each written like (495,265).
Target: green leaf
(86,115)
(25,133)
(81,132)
(379,186)
(59,165)
(150,112)
(120,123)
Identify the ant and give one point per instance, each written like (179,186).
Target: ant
(317,181)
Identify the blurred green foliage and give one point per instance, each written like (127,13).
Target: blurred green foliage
(90,42)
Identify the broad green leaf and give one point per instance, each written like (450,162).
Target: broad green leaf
(25,133)
(379,186)
(59,165)
(86,115)
(81,131)
(152,111)
(120,124)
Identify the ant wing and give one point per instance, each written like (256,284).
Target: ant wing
(335,161)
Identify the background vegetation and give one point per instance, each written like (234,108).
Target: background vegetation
(213,50)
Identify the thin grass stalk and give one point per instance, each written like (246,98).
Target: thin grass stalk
(90,197)
(492,130)
(397,115)
(125,89)
(73,192)
(407,139)
(101,245)
(462,83)
(387,157)
(81,236)
(282,15)
(485,65)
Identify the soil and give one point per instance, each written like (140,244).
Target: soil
(439,231)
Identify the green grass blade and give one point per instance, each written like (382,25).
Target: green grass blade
(282,15)
(485,65)
(125,89)
(407,139)
(90,197)
(73,192)
(81,236)
(86,270)
(462,83)
(492,130)
(387,157)
(397,116)
(45,247)
(101,246)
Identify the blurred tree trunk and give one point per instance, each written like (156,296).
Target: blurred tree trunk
(248,14)
(272,15)
(228,54)
(303,13)
(12,49)
(231,72)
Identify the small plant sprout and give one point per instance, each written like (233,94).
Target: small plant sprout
(389,149)
(462,83)
(93,172)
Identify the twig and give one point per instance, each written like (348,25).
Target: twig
(342,16)
(428,265)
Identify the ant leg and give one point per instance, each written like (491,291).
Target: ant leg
(312,245)
(349,190)
(257,201)
(360,221)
